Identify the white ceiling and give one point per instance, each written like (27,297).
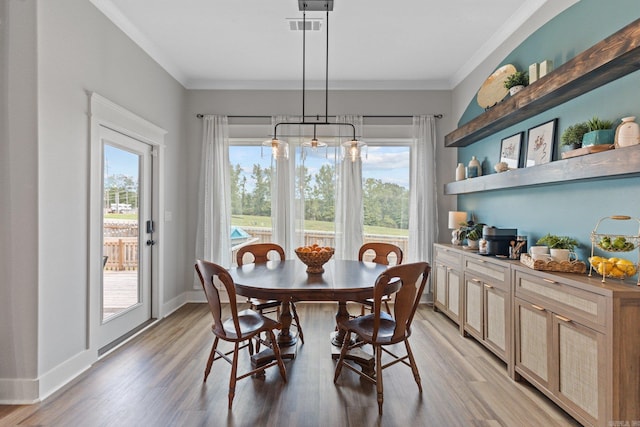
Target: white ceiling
(373,44)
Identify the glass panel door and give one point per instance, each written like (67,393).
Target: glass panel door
(127,235)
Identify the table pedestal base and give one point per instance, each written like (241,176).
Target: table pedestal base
(365,360)
(265,356)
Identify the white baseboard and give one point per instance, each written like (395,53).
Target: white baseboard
(18,391)
(28,391)
(187,297)
(65,372)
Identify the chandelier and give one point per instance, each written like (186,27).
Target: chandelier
(280,148)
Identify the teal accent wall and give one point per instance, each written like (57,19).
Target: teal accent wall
(573,208)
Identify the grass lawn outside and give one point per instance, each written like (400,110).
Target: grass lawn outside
(263,221)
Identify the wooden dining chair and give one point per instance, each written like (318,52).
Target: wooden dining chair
(260,254)
(239,329)
(380,329)
(383,253)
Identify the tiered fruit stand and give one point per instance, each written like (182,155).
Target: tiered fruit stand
(616,243)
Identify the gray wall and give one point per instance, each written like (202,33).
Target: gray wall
(45,237)
(18,194)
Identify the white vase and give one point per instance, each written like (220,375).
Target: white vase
(627,133)
(460,172)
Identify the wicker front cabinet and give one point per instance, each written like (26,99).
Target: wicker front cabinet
(487,304)
(571,336)
(579,344)
(448,280)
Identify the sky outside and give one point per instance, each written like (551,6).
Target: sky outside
(388,164)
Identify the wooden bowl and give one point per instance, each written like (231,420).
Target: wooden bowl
(315,260)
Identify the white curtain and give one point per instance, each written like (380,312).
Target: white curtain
(287,216)
(349,210)
(213,237)
(423,213)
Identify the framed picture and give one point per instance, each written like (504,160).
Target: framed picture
(510,150)
(541,143)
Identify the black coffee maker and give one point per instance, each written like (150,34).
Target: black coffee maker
(498,239)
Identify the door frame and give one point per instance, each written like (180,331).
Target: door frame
(106,113)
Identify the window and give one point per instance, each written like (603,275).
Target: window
(385,175)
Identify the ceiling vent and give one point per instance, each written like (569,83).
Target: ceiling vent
(296,24)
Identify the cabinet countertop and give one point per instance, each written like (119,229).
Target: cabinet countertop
(612,287)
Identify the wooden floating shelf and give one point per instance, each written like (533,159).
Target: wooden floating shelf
(618,163)
(606,61)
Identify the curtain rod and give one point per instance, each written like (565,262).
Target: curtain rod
(437,116)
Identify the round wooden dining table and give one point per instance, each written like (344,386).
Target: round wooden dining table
(287,281)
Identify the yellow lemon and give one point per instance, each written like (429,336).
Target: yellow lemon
(605,267)
(616,272)
(596,260)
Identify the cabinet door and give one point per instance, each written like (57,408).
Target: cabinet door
(533,343)
(473,307)
(580,359)
(496,313)
(441,287)
(454,287)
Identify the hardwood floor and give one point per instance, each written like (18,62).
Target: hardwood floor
(156,380)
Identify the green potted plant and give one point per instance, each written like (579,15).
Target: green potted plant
(472,232)
(553,241)
(600,132)
(561,248)
(571,138)
(516,81)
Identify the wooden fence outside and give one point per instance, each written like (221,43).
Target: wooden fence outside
(323,238)
(121,243)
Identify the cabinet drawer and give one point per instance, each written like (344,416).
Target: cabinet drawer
(449,257)
(576,304)
(496,274)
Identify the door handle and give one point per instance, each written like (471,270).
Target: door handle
(151,242)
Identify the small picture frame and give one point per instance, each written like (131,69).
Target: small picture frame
(510,150)
(541,143)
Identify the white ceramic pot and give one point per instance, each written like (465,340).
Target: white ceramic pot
(562,255)
(473,244)
(515,89)
(538,250)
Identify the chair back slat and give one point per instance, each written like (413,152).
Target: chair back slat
(381,252)
(407,281)
(207,271)
(262,252)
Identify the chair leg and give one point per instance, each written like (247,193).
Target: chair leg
(414,366)
(378,351)
(276,352)
(211,357)
(250,345)
(297,320)
(234,373)
(343,353)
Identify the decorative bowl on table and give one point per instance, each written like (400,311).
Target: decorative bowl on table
(314,257)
